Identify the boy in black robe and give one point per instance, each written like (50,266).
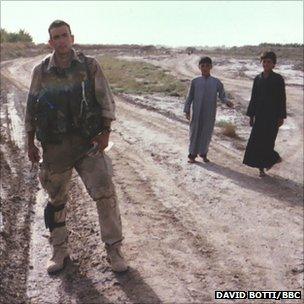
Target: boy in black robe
(267,111)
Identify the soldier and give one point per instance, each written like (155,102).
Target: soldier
(70,108)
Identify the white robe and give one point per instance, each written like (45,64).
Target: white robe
(203,96)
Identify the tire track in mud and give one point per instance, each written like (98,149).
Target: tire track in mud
(179,244)
(33,237)
(17,201)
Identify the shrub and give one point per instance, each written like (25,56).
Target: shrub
(21,36)
(228,128)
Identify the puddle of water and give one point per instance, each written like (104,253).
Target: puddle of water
(3,197)
(40,286)
(1,222)
(16,123)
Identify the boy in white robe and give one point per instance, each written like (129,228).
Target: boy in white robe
(202,96)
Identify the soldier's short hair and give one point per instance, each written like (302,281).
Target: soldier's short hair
(269,55)
(58,23)
(205,60)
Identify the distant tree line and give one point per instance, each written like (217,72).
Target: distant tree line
(21,36)
(265,44)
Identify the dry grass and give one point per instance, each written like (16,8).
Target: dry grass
(11,50)
(228,128)
(140,77)
(230,131)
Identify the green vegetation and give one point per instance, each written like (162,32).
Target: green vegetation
(136,77)
(21,36)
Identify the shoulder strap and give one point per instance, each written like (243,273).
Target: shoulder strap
(45,63)
(84,59)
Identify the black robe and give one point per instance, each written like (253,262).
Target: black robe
(267,105)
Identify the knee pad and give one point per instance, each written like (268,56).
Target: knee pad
(49,216)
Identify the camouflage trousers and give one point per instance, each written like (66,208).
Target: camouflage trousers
(96,174)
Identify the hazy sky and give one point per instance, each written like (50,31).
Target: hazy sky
(172,23)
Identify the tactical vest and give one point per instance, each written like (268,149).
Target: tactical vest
(67,103)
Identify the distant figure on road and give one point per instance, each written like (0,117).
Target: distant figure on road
(267,111)
(70,108)
(202,95)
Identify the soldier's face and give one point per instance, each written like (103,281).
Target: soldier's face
(61,39)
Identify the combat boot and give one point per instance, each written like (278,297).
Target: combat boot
(60,256)
(116,258)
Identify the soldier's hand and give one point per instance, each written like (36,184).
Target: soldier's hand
(188,116)
(33,153)
(102,140)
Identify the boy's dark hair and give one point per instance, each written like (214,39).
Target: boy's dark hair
(205,60)
(58,23)
(269,55)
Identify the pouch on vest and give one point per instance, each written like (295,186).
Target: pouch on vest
(90,113)
(49,128)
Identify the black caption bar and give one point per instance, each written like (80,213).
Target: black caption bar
(258,295)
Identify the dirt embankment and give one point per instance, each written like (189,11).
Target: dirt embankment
(189,230)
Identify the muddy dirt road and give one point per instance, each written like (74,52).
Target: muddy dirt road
(189,229)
